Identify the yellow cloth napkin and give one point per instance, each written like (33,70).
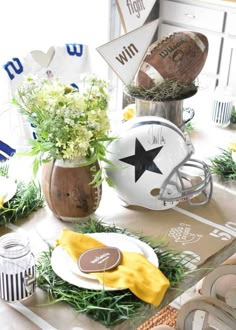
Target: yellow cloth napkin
(232,146)
(1,200)
(135,272)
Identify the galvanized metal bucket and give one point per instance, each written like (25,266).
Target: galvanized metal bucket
(171,110)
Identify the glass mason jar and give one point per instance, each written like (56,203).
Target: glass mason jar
(17,268)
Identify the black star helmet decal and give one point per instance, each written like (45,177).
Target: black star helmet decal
(142,160)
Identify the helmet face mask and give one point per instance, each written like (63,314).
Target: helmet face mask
(152,160)
(189,186)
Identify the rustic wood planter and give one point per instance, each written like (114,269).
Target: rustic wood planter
(67,189)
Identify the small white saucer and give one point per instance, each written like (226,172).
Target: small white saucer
(7,188)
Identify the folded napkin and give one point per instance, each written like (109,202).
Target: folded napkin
(134,272)
(1,200)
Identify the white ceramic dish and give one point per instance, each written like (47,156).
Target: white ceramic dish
(64,266)
(7,188)
(59,262)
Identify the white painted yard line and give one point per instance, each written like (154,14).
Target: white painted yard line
(205,221)
(231,191)
(42,324)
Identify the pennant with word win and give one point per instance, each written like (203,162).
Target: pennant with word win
(133,14)
(124,54)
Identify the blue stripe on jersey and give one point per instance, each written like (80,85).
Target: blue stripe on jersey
(75,49)
(7,150)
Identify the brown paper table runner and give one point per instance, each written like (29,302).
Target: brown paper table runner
(207,232)
(202,231)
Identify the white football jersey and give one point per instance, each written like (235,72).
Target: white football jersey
(68,62)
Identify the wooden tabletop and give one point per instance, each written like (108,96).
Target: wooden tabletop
(206,233)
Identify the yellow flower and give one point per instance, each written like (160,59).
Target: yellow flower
(232,146)
(129,112)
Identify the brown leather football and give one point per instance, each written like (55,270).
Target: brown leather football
(179,56)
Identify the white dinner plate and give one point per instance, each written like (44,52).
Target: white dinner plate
(65,267)
(59,262)
(7,188)
(119,241)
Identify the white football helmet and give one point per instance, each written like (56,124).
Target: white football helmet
(152,166)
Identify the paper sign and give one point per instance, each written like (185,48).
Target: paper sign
(99,259)
(124,54)
(133,14)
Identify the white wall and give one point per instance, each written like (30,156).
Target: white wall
(31,24)
(28,25)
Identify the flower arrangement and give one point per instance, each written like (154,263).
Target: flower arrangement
(69,122)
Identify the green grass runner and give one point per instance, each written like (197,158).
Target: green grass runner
(107,307)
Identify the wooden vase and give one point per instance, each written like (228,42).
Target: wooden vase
(67,190)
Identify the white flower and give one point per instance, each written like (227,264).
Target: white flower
(69,122)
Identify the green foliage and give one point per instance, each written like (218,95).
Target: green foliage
(223,165)
(4,168)
(233,116)
(28,198)
(107,307)
(189,127)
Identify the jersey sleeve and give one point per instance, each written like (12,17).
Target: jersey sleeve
(15,130)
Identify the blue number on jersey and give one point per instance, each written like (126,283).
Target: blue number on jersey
(74,49)
(10,66)
(74,85)
(33,133)
(7,151)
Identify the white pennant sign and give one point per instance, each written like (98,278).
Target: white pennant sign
(133,14)
(125,53)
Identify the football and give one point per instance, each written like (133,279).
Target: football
(179,56)
(68,192)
